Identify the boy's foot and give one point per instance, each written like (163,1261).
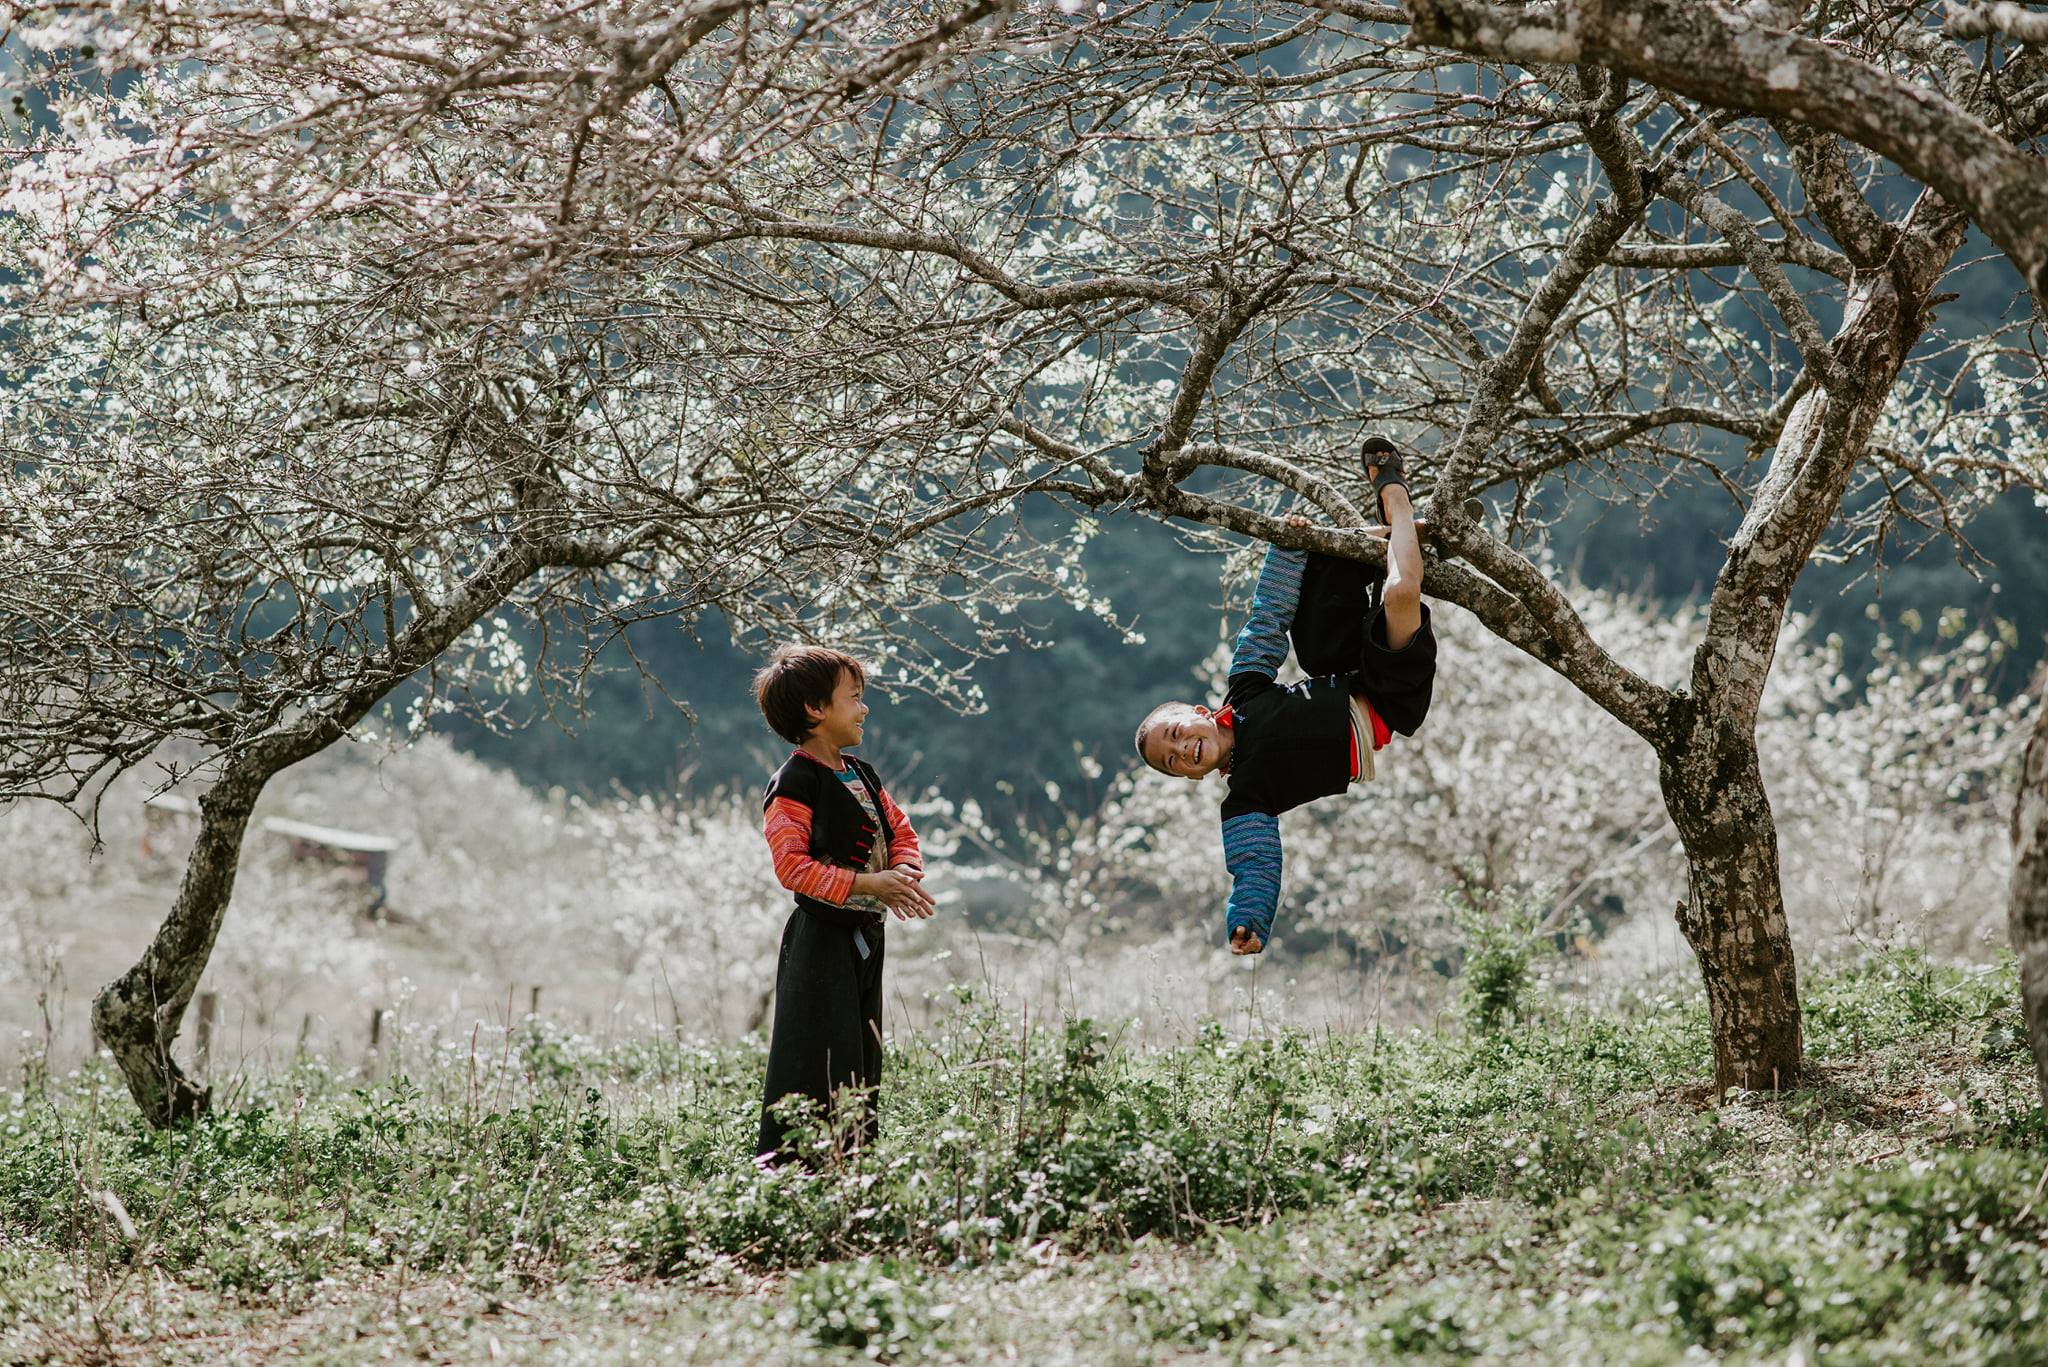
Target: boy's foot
(1383,466)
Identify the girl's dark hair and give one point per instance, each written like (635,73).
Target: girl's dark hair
(797,677)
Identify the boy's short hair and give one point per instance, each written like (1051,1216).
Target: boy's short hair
(1152,719)
(799,676)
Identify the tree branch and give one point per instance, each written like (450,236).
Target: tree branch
(1711,53)
(1973,20)
(1833,192)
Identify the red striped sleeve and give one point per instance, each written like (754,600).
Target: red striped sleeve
(788,828)
(902,840)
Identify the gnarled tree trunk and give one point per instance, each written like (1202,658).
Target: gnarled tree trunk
(2028,915)
(1733,914)
(137,1016)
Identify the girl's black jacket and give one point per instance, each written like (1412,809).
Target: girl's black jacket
(842,834)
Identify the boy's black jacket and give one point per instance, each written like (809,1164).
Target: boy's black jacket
(1289,742)
(841,832)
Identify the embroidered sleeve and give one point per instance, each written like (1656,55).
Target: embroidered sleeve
(902,839)
(788,828)
(1251,854)
(1262,642)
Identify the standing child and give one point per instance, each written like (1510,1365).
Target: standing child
(848,853)
(1372,668)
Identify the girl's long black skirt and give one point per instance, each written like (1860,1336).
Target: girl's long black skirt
(827,1032)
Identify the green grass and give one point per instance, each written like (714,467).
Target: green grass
(1549,1191)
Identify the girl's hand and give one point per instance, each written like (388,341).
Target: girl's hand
(900,889)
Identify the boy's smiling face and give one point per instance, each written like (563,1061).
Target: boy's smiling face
(839,723)
(1185,742)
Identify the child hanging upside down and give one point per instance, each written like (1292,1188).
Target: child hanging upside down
(1370,666)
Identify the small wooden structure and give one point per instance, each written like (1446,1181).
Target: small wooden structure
(168,820)
(163,816)
(364,857)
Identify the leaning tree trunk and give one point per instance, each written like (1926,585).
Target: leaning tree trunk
(137,1016)
(2029,905)
(1733,914)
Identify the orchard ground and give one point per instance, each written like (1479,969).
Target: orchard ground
(1555,1188)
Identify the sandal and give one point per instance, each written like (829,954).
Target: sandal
(1385,468)
(1383,465)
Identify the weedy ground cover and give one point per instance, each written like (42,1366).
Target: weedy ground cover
(1551,1186)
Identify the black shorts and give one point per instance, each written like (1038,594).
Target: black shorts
(1340,628)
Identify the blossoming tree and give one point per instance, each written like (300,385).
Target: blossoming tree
(1160,250)
(340,337)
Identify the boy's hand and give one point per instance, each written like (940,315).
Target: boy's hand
(900,889)
(1378,531)
(1244,941)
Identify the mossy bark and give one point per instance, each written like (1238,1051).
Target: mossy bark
(1733,914)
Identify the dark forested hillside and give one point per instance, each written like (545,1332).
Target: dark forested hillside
(1676,550)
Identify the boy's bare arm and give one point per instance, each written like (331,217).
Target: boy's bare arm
(1401,595)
